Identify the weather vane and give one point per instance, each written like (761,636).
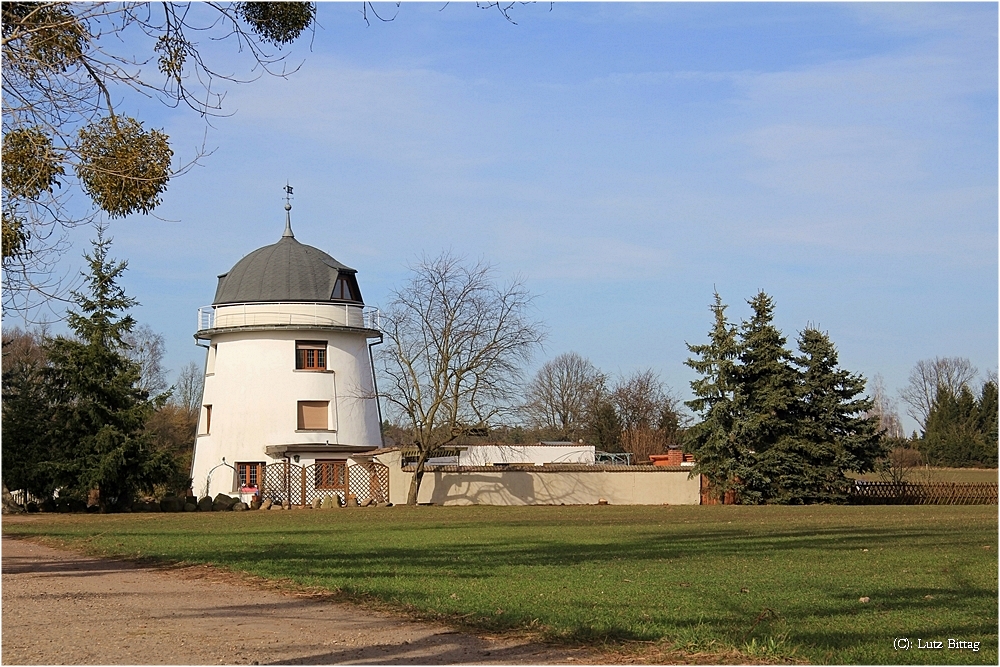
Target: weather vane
(288,211)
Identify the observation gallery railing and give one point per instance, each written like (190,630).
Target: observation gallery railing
(288,314)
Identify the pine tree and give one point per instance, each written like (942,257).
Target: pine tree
(96,435)
(833,435)
(711,440)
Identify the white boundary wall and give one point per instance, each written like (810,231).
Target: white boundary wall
(537,454)
(546,486)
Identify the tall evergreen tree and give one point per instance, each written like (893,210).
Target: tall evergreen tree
(26,413)
(961,429)
(711,441)
(765,404)
(96,437)
(833,433)
(988,418)
(777,429)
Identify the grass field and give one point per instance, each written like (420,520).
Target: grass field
(760,583)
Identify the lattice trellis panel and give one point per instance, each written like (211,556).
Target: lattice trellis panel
(283,482)
(369,481)
(300,485)
(323,479)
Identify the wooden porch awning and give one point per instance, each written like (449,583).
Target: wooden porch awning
(310,448)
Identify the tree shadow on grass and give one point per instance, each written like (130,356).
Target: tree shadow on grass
(365,572)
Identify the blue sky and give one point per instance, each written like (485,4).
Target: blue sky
(624,160)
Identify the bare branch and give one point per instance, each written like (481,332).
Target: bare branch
(952,373)
(456,344)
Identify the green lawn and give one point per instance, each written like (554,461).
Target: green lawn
(769,582)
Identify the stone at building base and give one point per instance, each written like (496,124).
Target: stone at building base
(190,506)
(172,504)
(223,503)
(205,504)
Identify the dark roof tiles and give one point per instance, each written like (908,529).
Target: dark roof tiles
(284,271)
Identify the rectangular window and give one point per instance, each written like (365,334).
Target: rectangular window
(206,419)
(210,364)
(314,415)
(310,355)
(249,476)
(330,475)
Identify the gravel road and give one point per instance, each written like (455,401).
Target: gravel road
(61,607)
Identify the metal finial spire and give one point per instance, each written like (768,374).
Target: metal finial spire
(288,214)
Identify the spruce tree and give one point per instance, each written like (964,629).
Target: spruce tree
(777,429)
(833,435)
(711,441)
(961,429)
(988,404)
(96,437)
(765,402)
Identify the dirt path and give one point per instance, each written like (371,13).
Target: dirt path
(61,607)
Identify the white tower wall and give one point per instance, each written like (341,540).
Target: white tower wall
(253,388)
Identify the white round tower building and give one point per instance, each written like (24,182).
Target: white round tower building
(288,375)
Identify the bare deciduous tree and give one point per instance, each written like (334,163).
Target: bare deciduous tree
(952,373)
(189,387)
(643,400)
(561,394)
(886,409)
(647,412)
(146,348)
(455,345)
(899,464)
(69,70)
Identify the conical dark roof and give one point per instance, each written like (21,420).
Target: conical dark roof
(286,271)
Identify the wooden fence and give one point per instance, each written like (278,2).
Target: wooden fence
(300,485)
(934,493)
